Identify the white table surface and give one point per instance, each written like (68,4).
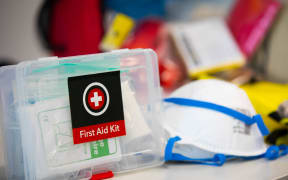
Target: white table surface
(261,169)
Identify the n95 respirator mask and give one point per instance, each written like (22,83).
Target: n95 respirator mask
(210,121)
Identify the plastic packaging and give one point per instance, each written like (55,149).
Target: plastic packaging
(198,45)
(37,119)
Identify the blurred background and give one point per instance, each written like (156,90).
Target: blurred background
(240,41)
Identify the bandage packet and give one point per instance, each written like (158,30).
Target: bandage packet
(74,117)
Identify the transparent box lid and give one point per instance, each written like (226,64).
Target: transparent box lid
(37,125)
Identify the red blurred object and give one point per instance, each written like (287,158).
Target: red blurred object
(145,36)
(250,20)
(153,34)
(104,175)
(76,27)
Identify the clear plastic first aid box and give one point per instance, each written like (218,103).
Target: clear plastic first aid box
(70,118)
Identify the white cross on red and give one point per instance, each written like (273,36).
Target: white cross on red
(96,99)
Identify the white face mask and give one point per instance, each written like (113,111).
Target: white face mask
(213,120)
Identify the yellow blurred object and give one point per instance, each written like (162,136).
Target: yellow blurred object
(284,121)
(282,140)
(222,67)
(266,98)
(117,33)
(205,76)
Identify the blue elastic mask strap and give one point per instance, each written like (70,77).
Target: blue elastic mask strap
(273,152)
(217,160)
(283,150)
(225,110)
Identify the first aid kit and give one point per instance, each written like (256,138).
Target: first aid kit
(211,121)
(75,117)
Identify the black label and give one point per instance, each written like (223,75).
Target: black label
(95,99)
